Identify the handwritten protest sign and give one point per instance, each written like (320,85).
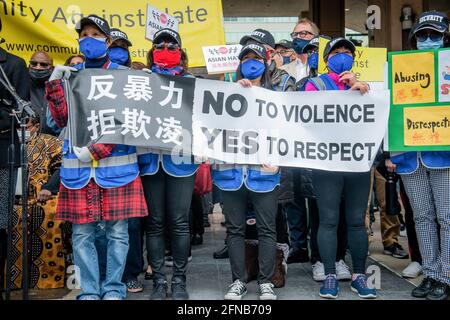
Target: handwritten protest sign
(221,59)
(157,20)
(420,95)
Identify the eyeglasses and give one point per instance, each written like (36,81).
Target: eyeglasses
(170,46)
(433,36)
(301,34)
(42,64)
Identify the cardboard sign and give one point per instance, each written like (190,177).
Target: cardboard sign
(157,20)
(221,59)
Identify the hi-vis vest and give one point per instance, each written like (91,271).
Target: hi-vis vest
(408,162)
(118,169)
(150,162)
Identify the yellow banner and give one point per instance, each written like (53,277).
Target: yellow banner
(37,25)
(368,66)
(427,126)
(413,78)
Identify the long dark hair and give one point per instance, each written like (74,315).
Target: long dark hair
(184,59)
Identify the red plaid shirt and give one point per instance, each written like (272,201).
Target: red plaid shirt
(93,203)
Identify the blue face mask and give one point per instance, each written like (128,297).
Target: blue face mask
(313,61)
(93,48)
(430,44)
(252,69)
(299,44)
(118,55)
(340,62)
(286,60)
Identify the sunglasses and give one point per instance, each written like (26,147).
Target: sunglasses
(433,36)
(170,46)
(42,64)
(301,34)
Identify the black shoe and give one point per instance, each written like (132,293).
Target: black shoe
(223,224)
(159,290)
(297,255)
(148,276)
(221,254)
(197,239)
(206,224)
(178,289)
(440,291)
(397,251)
(424,288)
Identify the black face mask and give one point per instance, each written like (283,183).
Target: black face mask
(40,76)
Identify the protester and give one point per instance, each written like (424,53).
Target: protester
(15,70)
(331,187)
(47,265)
(284,49)
(426,179)
(74,60)
(168,185)
(121,193)
(119,50)
(259,186)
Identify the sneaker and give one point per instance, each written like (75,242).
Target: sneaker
(237,291)
(330,287)
(343,271)
(424,288)
(403,230)
(397,251)
(359,285)
(159,290)
(266,292)
(221,254)
(178,289)
(413,270)
(112,297)
(134,286)
(318,271)
(297,255)
(440,291)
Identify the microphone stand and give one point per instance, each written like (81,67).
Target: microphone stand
(23,109)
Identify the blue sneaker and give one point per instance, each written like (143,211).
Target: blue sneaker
(330,287)
(359,285)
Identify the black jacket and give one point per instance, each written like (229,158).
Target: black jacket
(17,73)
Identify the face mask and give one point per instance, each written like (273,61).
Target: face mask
(340,62)
(118,55)
(430,44)
(93,48)
(313,60)
(298,45)
(252,69)
(40,75)
(286,60)
(167,58)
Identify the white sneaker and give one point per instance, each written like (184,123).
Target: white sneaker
(343,271)
(237,291)
(413,270)
(266,292)
(318,271)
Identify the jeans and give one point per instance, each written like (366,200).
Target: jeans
(87,259)
(168,199)
(134,264)
(331,188)
(235,208)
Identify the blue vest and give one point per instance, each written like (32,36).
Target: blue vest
(408,162)
(118,169)
(232,177)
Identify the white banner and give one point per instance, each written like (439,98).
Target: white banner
(157,20)
(222,59)
(327,130)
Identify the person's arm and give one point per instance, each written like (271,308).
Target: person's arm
(100,151)
(54,93)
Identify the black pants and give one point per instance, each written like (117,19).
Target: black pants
(168,200)
(134,264)
(410,227)
(197,215)
(331,188)
(3,249)
(235,209)
(314,222)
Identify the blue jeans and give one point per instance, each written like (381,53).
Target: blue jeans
(87,259)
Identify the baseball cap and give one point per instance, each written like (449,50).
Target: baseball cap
(117,34)
(258,49)
(314,43)
(434,20)
(261,36)
(92,19)
(338,43)
(284,43)
(165,34)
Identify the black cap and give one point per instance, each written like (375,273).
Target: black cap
(258,49)
(434,20)
(338,43)
(284,43)
(117,34)
(165,34)
(92,19)
(314,43)
(261,36)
